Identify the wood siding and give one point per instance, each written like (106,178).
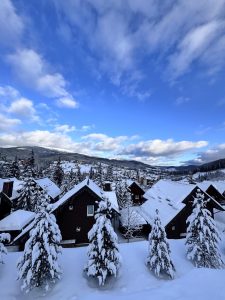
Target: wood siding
(70,221)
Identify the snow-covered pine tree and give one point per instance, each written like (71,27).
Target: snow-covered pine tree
(158,259)
(202,236)
(14,168)
(109,173)
(26,199)
(39,267)
(4,237)
(58,173)
(103,254)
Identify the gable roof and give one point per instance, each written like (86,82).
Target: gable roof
(49,186)
(85,183)
(167,197)
(111,196)
(17,220)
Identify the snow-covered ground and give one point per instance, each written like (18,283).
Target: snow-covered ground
(134,281)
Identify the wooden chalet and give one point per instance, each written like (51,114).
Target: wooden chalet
(75,212)
(16,222)
(174,201)
(136,191)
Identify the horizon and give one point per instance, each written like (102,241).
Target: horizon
(129,79)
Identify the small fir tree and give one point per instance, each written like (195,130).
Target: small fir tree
(4,237)
(103,254)
(27,191)
(202,236)
(58,173)
(38,266)
(158,259)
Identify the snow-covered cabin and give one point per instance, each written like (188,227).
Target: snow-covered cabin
(136,191)
(75,210)
(6,187)
(174,201)
(16,222)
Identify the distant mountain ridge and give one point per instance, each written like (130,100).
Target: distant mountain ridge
(47,155)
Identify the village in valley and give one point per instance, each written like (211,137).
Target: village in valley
(112,150)
(71,204)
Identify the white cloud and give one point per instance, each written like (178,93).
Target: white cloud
(182,100)
(23,108)
(215,153)
(11,25)
(7,124)
(65,128)
(194,44)
(157,148)
(32,69)
(121,33)
(103,143)
(67,102)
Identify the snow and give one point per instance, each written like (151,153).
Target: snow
(111,196)
(17,220)
(50,187)
(135,281)
(86,182)
(167,197)
(134,215)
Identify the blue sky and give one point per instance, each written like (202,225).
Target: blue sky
(133,79)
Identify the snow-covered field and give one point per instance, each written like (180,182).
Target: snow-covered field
(134,281)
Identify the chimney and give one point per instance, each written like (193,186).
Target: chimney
(8,188)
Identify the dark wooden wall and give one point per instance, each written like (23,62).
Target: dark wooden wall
(135,190)
(70,220)
(5,206)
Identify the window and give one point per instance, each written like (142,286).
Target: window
(78,229)
(90,210)
(173,227)
(136,197)
(70,207)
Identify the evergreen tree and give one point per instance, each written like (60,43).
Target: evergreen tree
(58,173)
(91,173)
(103,253)
(31,195)
(14,168)
(158,259)
(38,266)
(4,237)
(202,236)
(109,173)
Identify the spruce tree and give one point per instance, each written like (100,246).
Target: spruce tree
(202,236)
(103,254)
(158,259)
(38,266)
(58,173)
(4,237)
(27,192)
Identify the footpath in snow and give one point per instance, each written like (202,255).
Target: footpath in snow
(134,281)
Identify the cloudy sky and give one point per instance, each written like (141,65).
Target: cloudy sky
(133,79)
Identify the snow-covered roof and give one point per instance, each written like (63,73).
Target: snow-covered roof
(86,182)
(219,185)
(50,187)
(16,186)
(112,199)
(17,220)
(167,197)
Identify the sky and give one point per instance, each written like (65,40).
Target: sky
(127,79)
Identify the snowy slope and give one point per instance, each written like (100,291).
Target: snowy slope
(134,282)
